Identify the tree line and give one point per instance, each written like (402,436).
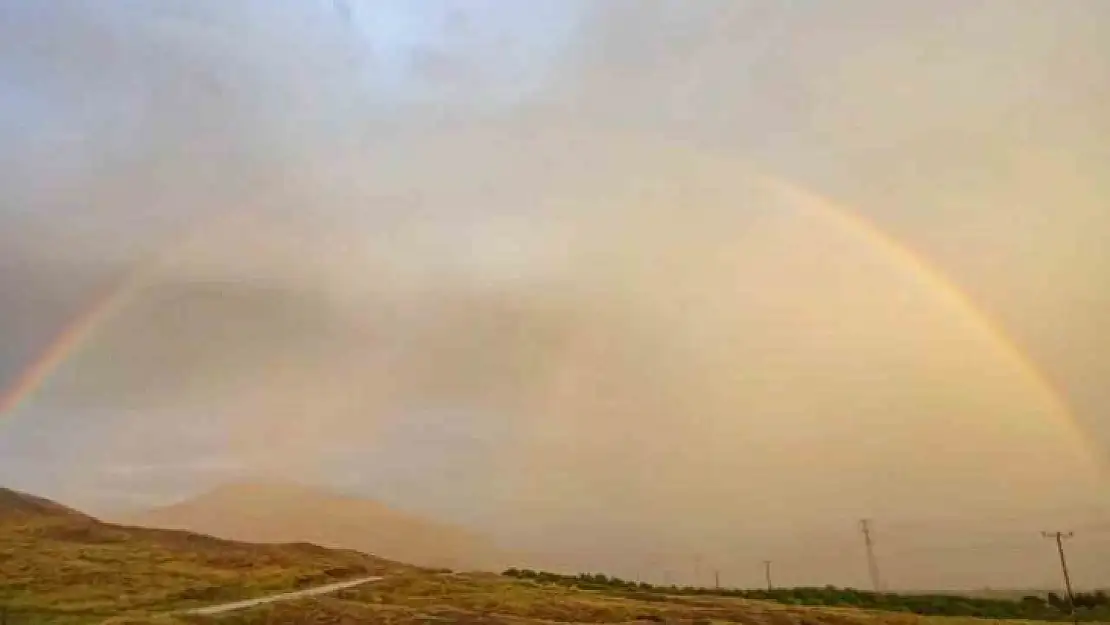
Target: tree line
(1089,606)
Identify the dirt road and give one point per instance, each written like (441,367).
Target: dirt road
(285,596)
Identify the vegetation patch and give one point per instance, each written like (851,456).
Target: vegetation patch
(73,568)
(1091,607)
(427,598)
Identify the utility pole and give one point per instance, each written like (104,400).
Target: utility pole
(717,579)
(872,564)
(1060,536)
(767,574)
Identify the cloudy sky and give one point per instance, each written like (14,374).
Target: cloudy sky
(718,277)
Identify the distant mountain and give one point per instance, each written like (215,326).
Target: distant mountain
(285,512)
(58,564)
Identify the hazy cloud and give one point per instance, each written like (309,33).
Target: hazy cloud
(516,267)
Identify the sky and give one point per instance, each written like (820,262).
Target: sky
(628,281)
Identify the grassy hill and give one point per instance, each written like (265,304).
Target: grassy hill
(57,564)
(286,512)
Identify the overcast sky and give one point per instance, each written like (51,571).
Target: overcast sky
(519,266)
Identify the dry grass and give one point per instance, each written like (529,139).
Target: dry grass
(417,597)
(74,568)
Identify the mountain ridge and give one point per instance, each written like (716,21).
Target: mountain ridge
(283,512)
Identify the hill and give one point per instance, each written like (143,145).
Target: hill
(15,505)
(283,512)
(57,564)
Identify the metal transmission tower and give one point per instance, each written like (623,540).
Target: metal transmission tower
(1059,537)
(872,563)
(767,574)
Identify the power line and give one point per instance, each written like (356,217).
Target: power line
(872,564)
(1060,536)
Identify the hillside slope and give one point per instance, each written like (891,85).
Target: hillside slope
(282,512)
(16,505)
(57,563)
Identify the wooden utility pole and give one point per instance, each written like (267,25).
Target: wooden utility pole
(872,563)
(767,574)
(1060,536)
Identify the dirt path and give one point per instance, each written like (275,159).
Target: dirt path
(285,596)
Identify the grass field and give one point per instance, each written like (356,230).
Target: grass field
(478,598)
(57,565)
(1092,607)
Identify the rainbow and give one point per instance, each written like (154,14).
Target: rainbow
(75,334)
(937,284)
(36,375)
(80,330)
